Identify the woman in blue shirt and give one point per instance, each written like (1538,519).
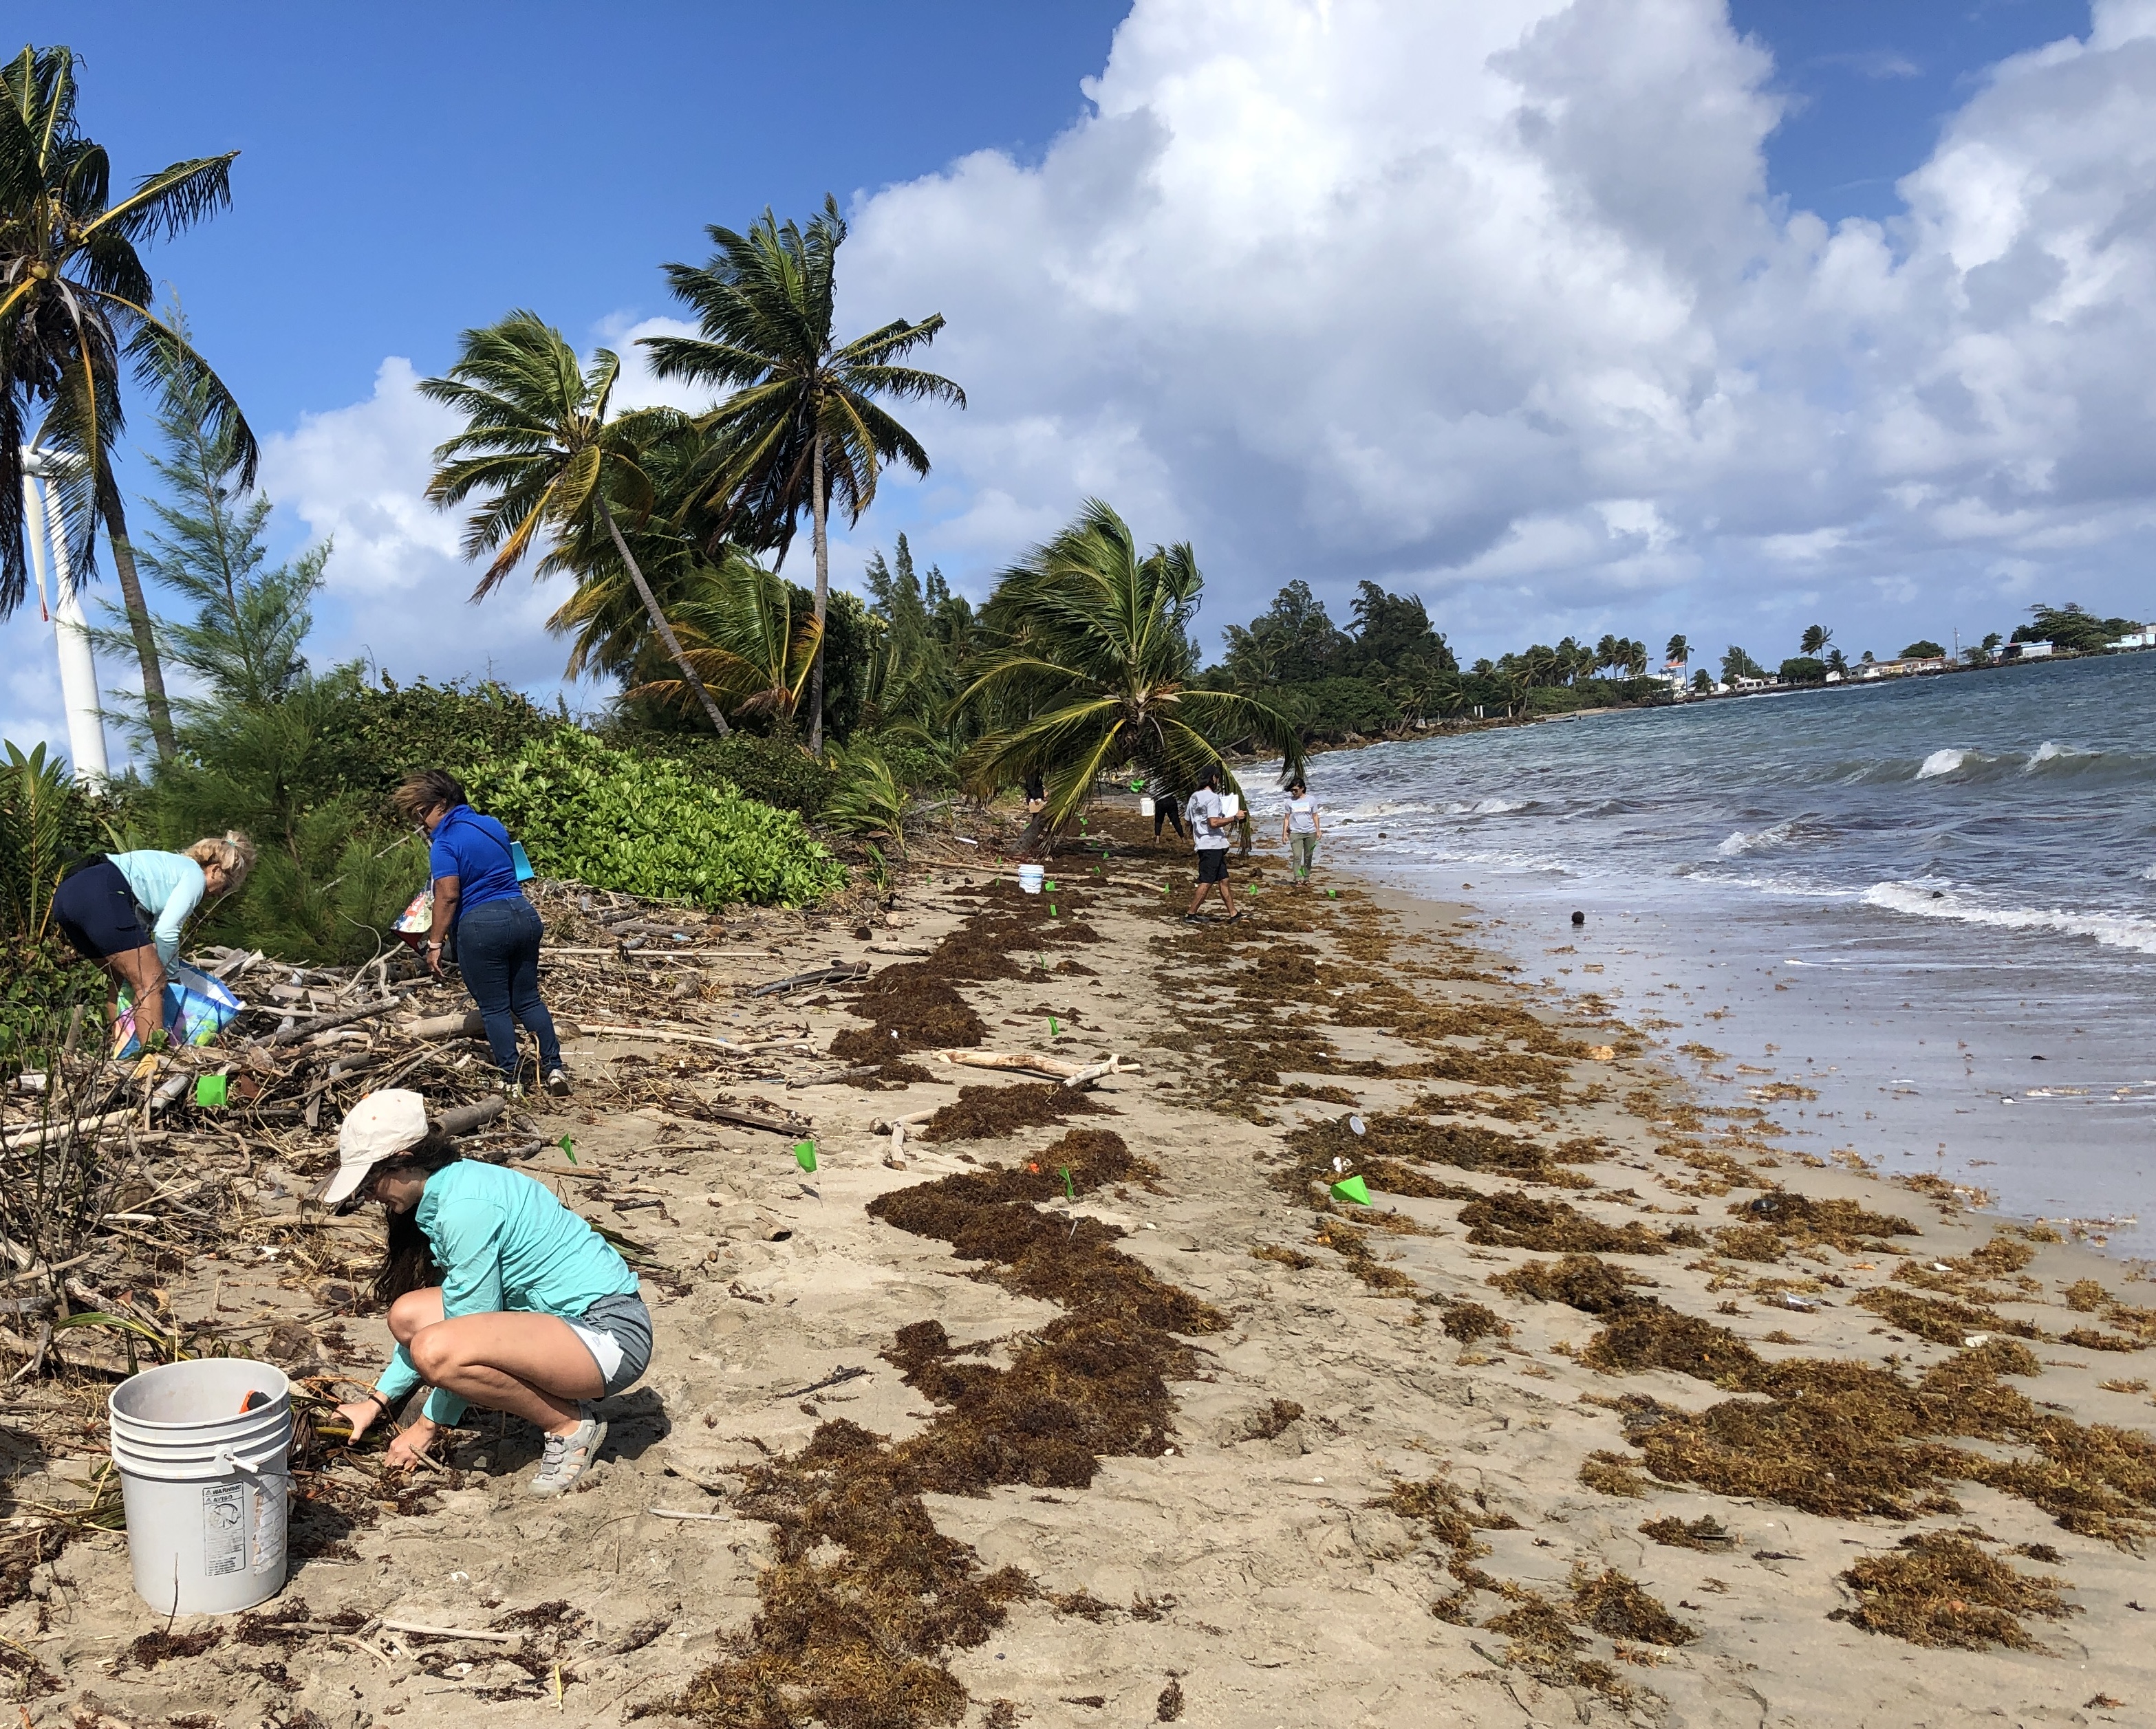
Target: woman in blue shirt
(477,894)
(499,1295)
(127,911)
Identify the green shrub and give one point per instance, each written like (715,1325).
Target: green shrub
(870,800)
(1804,669)
(628,821)
(1330,707)
(395,729)
(772,770)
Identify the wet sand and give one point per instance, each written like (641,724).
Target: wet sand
(1219,1449)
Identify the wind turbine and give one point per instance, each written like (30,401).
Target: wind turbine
(86,720)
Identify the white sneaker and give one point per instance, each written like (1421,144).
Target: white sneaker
(569,1456)
(557,1083)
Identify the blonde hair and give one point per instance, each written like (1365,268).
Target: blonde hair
(234,855)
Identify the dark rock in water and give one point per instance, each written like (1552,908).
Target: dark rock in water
(1579,918)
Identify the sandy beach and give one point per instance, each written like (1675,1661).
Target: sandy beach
(1089,1406)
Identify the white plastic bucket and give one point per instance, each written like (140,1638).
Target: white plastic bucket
(205,1483)
(1031,876)
(1145,806)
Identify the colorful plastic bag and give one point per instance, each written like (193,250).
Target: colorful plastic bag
(199,1006)
(417,919)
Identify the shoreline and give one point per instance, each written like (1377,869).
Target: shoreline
(1338,1458)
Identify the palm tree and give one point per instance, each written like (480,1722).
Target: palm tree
(1679,651)
(538,445)
(74,300)
(1816,639)
(1636,657)
(743,639)
(801,425)
(1095,672)
(1608,651)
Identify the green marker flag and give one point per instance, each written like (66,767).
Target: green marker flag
(1052,912)
(804,1155)
(1351,1188)
(1069,1193)
(1053,1031)
(568,1149)
(1335,893)
(1050,884)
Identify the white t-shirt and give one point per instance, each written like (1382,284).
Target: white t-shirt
(1302,815)
(1205,802)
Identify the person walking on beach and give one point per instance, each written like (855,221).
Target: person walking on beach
(478,896)
(499,1295)
(1300,829)
(1209,824)
(1167,808)
(126,911)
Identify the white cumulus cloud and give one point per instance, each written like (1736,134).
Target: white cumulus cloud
(1491,300)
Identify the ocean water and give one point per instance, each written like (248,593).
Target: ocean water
(1932,900)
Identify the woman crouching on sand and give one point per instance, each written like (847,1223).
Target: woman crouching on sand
(499,1295)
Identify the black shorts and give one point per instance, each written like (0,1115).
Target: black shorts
(1212,864)
(97,912)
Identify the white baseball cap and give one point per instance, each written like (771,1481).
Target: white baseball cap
(378,1127)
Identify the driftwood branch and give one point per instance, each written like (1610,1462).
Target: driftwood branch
(323,1023)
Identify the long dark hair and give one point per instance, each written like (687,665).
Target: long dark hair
(408,1259)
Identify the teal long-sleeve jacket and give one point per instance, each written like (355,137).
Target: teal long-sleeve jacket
(503,1242)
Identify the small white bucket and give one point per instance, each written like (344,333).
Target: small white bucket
(1145,807)
(205,1483)
(1030,878)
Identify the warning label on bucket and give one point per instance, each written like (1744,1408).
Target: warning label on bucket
(269,1493)
(224,1528)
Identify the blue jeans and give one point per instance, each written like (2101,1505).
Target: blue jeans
(498,948)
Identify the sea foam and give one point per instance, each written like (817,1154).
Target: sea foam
(2114,929)
(1941,763)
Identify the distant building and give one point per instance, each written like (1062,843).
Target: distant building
(1833,677)
(1897,668)
(2024,651)
(1745,684)
(2136,639)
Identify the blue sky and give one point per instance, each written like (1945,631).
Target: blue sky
(1707,429)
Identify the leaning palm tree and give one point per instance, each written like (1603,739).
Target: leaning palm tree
(801,426)
(539,448)
(74,301)
(1679,651)
(741,634)
(1095,672)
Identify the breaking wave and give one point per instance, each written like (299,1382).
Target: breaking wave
(2114,929)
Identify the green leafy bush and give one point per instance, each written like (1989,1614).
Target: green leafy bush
(870,800)
(1333,707)
(397,728)
(1804,669)
(646,826)
(772,770)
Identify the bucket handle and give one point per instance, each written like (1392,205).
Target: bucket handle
(235,1463)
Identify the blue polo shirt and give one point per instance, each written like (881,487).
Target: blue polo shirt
(475,849)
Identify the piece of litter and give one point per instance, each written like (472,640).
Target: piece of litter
(568,1148)
(804,1154)
(1351,1188)
(1356,1124)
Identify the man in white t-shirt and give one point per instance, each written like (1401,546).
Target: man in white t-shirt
(1209,824)
(1300,829)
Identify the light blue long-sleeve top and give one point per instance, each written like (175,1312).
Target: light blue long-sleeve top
(168,886)
(502,1242)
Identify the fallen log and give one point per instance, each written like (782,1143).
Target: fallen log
(469,1023)
(758,1120)
(465,1118)
(835,973)
(35,1134)
(672,1038)
(322,1022)
(1081,1075)
(832,1077)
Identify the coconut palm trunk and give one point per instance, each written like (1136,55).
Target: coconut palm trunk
(819,511)
(155,703)
(658,620)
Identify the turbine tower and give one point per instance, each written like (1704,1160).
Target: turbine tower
(85,721)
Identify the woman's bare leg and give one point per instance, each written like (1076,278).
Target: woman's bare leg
(144,975)
(530,1366)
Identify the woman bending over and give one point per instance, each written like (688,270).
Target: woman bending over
(499,1295)
(126,912)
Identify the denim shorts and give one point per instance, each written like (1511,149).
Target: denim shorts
(616,1331)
